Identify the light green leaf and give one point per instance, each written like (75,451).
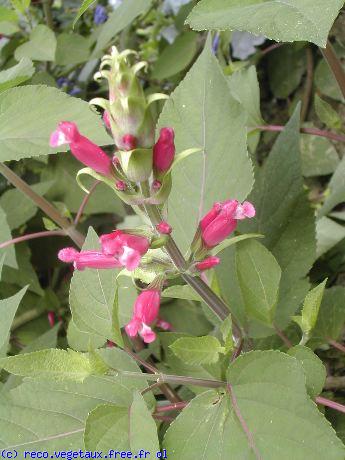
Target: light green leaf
(142,427)
(21,5)
(314,369)
(37,111)
(311,307)
(331,317)
(328,234)
(197,350)
(8,15)
(265,413)
(8,308)
(181,292)
(295,20)
(17,74)
(84,6)
(176,57)
(18,207)
(8,28)
(319,156)
(325,80)
(5,235)
(259,277)
(327,114)
(72,49)
(234,240)
(226,330)
(122,17)
(106,427)
(40,47)
(51,415)
(285,217)
(82,341)
(336,190)
(193,111)
(53,364)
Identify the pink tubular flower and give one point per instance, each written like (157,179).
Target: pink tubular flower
(207,263)
(218,223)
(128,249)
(129,142)
(145,313)
(164,228)
(106,119)
(164,150)
(81,147)
(88,259)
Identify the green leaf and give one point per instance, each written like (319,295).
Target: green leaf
(122,17)
(314,369)
(18,207)
(226,330)
(40,47)
(234,240)
(93,298)
(8,308)
(259,277)
(331,317)
(176,57)
(8,28)
(84,6)
(8,15)
(286,67)
(181,292)
(336,190)
(72,49)
(51,415)
(53,364)
(17,74)
(311,307)
(193,110)
(328,234)
(295,20)
(285,217)
(325,80)
(106,427)
(82,341)
(319,156)
(197,350)
(265,413)
(327,114)
(142,427)
(186,317)
(37,111)
(5,235)
(21,5)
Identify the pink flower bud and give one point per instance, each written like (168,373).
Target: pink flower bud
(129,142)
(110,344)
(145,312)
(164,150)
(164,228)
(164,325)
(207,263)
(51,318)
(88,259)
(106,119)
(120,185)
(218,223)
(156,185)
(81,147)
(127,248)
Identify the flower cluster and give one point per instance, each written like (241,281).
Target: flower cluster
(140,173)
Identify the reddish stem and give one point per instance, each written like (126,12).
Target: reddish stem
(281,334)
(328,403)
(337,345)
(85,202)
(335,65)
(32,236)
(271,48)
(170,407)
(312,131)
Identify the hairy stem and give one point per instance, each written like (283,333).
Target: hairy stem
(328,403)
(32,236)
(335,65)
(43,204)
(312,131)
(308,85)
(85,202)
(171,407)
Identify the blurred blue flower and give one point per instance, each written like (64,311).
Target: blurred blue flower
(243,44)
(74,91)
(100,15)
(62,81)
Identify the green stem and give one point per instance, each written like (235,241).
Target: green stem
(335,65)
(48,13)
(43,204)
